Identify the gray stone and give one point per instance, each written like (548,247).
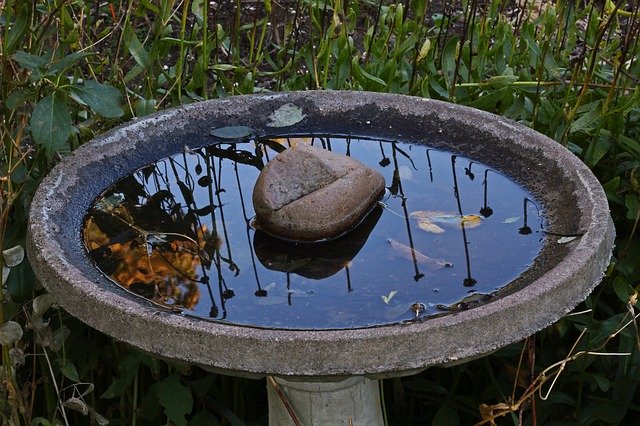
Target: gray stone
(310,194)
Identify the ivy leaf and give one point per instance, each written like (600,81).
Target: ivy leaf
(42,303)
(20,281)
(13,256)
(103,99)
(10,332)
(70,372)
(51,124)
(128,369)
(176,399)
(287,115)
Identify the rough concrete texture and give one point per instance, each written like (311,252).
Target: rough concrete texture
(353,401)
(560,277)
(311,194)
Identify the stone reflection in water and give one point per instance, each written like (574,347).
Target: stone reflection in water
(316,261)
(179,234)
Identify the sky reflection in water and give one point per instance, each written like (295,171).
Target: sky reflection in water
(179,232)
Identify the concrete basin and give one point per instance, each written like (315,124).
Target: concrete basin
(320,362)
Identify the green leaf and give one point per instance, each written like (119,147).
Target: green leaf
(29,61)
(587,121)
(18,97)
(51,124)
(103,99)
(21,281)
(204,418)
(448,61)
(128,369)
(145,107)
(66,62)
(222,67)
(446,416)
(176,399)
(499,81)
(622,289)
(632,202)
(70,372)
(18,28)
(150,6)
(136,49)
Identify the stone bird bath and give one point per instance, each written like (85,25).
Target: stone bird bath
(329,376)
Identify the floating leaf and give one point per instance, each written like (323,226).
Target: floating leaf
(232,132)
(511,219)
(427,225)
(469,220)
(405,173)
(387,299)
(427,220)
(109,203)
(565,240)
(425,214)
(10,332)
(411,254)
(13,256)
(287,115)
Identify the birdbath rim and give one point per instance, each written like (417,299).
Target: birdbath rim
(556,285)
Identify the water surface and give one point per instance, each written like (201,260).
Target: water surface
(448,234)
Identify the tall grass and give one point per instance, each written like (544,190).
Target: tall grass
(71,69)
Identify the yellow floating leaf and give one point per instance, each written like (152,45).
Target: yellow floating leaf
(426,214)
(471,221)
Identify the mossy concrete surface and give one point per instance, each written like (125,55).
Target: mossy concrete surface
(561,276)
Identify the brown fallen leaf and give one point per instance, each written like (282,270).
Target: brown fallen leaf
(428,220)
(409,253)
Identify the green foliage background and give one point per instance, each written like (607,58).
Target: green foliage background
(71,69)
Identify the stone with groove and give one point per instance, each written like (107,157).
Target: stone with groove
(310,194)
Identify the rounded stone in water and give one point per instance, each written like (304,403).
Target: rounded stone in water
(310,194)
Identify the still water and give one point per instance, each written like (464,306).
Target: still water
(448,233)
